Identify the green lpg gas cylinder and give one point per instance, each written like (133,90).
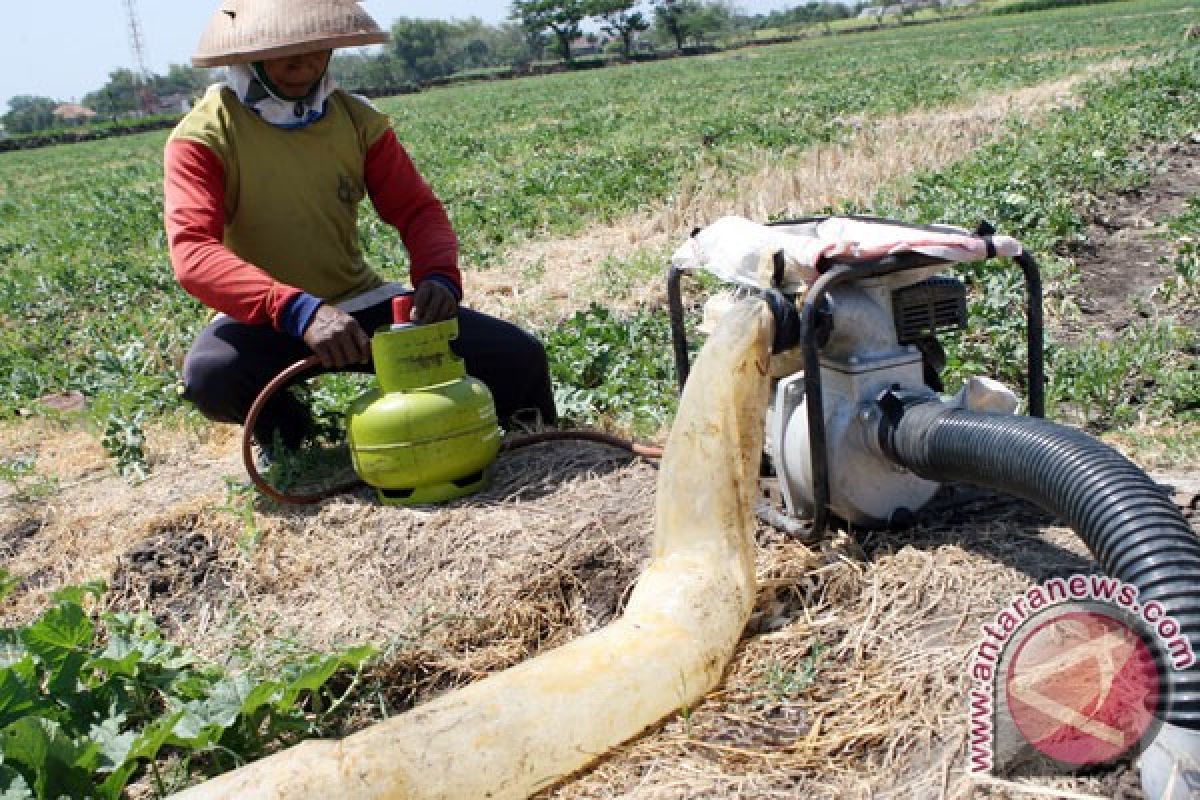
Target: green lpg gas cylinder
(427,433)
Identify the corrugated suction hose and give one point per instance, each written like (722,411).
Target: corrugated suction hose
(1127,521)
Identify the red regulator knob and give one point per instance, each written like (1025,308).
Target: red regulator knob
(402,309)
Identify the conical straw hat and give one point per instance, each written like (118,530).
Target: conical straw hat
(255,30)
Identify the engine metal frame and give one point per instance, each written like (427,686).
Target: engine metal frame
(835,273)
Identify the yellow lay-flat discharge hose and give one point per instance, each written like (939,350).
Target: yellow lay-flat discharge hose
(530,726)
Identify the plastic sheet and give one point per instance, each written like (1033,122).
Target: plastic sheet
(742,252)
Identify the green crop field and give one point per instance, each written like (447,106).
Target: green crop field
(89,305)
(551,155)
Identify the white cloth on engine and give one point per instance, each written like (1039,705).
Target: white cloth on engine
(733,249)
(740,251)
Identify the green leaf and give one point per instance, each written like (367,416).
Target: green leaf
(115,783)
(17,697)
(267,693)
(113,740)
(60,631)
(153,737)
(240,695)
(138,633)
(142,746)
(60,765)
(312,677)
(13,785)
(75,595)
(316,671)
(204,721)
(120,657)
(355,657)
(58,640)
(193,730)
(193,684)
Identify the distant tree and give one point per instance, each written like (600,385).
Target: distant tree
(561,17)
(472,44)
(183,79)
(126,92)
(676,19)
(422,50)
(423,46)
(379,72)
(511,43)
(712,19)
(619,18)
(823,12)
(535,42)
(28,113)
(477,53)
(121,95)
(482,45)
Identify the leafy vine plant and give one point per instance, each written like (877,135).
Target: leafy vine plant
(90,702)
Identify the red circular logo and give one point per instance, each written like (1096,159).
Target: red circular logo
(1082,688)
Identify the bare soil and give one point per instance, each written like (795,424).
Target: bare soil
(170,571)
(1124,257)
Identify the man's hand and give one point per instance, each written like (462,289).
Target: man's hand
(434,302)
(337,338)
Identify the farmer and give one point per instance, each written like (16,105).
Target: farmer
(263,182)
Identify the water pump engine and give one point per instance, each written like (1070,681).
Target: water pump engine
(867,336)
(877,335)
(858,426)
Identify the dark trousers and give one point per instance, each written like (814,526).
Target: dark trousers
(231,362)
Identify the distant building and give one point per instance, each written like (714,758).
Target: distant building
(177,103)
(73,114)
(588,45)
(902,7)
(882,12)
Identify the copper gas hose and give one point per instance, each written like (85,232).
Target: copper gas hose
(300,367)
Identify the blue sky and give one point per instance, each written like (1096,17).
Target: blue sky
(66,48)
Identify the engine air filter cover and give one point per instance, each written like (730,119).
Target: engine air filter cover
(930,307)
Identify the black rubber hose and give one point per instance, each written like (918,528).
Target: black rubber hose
(1128,522)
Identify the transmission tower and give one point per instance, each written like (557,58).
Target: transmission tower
(137,44)
(136,40)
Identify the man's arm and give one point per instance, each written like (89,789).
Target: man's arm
(194,213)
(404,200)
